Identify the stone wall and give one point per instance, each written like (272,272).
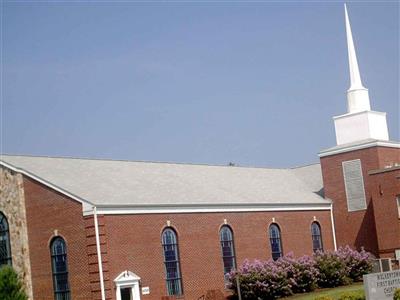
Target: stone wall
(12,204)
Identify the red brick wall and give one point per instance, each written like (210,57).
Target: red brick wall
(134,244)
(388,156)
(94,278)
(356,229)
(47,211)
(384,189)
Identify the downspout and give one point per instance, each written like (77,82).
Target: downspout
(99,260)
(333,228)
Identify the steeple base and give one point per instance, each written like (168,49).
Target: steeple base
(358,100)
(361,126)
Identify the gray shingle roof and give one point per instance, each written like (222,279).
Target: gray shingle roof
(113,182)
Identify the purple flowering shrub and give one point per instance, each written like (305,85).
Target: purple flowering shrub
(269,280)
(301,272)
(357,263)
(274,279)
(343,266)
(332,269)
(261,280)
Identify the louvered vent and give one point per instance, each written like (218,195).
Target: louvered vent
(354,184)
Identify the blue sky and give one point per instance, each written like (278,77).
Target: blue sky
(255,83)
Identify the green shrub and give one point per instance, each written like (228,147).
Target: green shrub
(10,285)
(356,295)
(396,295)
(323,298)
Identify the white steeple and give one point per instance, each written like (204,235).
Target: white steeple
(357,94)
(360,122)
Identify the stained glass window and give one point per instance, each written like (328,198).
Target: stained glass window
(60,269)
(5,248)
(171,261)
(275,240)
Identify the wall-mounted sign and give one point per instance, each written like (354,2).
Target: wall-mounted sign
(145,290)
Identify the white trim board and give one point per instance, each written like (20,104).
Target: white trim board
(369,144)
(119,210)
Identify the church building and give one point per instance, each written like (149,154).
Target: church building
(89,229)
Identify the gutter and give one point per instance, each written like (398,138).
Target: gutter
(333,228)
(98,250)
(204,208)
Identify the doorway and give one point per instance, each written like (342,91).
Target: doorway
(126,294)
(127,286)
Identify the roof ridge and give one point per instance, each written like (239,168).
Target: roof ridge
(146,161)
(303,166)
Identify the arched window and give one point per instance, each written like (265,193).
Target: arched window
(171,261)
(5,248)
(59,266)
(316,237)
(227,247)
(275,239)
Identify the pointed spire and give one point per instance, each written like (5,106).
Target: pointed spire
(360,122)
(355,78)
(357,94)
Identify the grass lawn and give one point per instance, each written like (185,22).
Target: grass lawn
(334,292)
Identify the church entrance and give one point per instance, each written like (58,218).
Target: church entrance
(126,294)
(127,286)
